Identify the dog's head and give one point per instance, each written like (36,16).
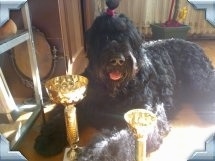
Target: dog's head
(113,47)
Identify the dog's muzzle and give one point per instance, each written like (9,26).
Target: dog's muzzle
(116,64)
(120,67)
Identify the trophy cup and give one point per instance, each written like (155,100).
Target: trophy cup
(68,90)
(140,122)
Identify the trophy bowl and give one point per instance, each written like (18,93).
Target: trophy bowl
(140,121)
(66,89)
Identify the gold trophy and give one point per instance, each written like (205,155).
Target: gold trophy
(68,90)
(140,121)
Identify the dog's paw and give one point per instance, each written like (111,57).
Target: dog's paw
(52,139)
(49,145)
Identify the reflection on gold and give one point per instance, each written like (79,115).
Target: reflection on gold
(68,90)
(140,121)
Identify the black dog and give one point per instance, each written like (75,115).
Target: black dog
(124,73)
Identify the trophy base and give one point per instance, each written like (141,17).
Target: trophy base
(75,154)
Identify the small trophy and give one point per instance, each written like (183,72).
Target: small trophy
(140,121)
(68,90)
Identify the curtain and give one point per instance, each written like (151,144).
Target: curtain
(145,12)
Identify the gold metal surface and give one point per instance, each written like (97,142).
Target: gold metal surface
(71,124)
(68,90)
(140,121)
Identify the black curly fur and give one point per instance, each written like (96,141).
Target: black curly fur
(105,147)
(156,76)
(115,145)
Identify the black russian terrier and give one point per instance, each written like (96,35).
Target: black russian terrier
(124,73)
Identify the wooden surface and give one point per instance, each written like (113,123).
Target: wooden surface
(72,30)
(188,133)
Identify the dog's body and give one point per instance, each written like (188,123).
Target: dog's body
(126,73)
(168,76)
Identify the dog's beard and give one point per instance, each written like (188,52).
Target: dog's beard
(116,78)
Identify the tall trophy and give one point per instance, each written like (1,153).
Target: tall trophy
(68,90)
(140,122)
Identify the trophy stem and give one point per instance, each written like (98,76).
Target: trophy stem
(140,149)
(72,131)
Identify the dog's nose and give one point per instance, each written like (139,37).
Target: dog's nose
(117,61)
